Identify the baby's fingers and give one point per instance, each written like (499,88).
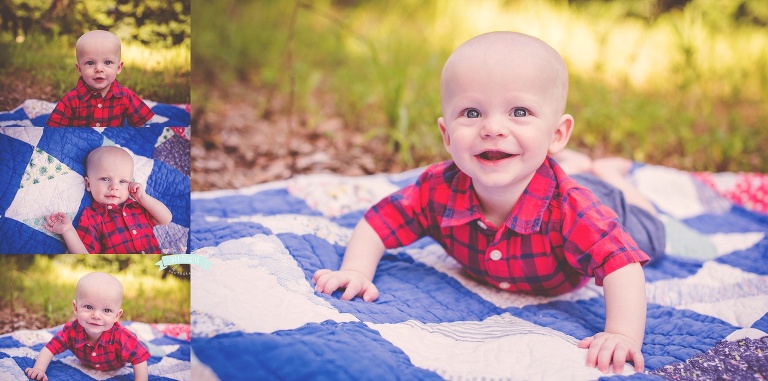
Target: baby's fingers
(318,273)
(619,358)
(637,358)
(352,290)
(585,342)
(327,283)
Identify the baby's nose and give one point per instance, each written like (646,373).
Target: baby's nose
(493,128)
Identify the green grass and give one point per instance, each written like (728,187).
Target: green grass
(47,286)
(157,74)
(685,89)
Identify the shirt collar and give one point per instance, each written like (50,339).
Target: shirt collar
(81,338)
(463,206)
(113,208)
(85,92)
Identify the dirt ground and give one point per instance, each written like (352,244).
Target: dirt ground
(20,319)
(18,88)
(244,138)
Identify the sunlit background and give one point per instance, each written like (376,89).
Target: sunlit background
(37,38)
(679,83)
(39,289)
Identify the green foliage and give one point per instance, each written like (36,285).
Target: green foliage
(680,83)
(160,75)
(46,285)
(155,23)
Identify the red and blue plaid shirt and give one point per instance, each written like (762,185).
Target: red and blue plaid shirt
(557,235)
(117,229)
(82,107)
(115,347)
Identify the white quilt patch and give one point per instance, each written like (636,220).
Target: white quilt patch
(273,280)
(503,346)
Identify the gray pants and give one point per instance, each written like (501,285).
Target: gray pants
(647,230)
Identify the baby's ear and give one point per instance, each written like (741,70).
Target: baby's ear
(562,134)
(444,132)
(119,313)
(87,184)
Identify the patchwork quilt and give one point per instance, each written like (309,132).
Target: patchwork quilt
(42,170)
(255,314)
(167,343)
(35,112)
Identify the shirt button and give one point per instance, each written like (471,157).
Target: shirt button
(96,365)
(133,231)
(504,285)
(143,252)
(93,354)
(99,105)
(495,255)
(109,207)
(98,124)
(124,215)
(481,225)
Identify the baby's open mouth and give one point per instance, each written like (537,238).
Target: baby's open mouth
(494,155)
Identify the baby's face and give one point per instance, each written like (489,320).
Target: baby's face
(108,179)
(97,308)
(98,62)
(499,116)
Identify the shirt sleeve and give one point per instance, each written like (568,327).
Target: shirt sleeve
(400,218)
(61,116)
(88,232)
(594,241)
(133,351)
(138,111)
(59,341)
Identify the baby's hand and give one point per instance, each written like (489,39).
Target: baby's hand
(135,190)
(605,348)
(58,223)
(354,283)
(36,374)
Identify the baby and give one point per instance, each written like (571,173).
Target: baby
(95,336)
(121,217)
(503,208)
(99,100)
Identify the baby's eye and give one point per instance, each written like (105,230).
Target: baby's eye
(123,181)
(104,178)
(108,62)
(88,307)
(89,63)
(472,113)
(107,310)
(519,112)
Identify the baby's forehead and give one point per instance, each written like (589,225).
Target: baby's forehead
(109,154)
(504,47)
(97,38)
(99,284)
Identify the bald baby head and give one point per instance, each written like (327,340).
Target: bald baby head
(97,38)
(499,51)
(102,283)
(108,154)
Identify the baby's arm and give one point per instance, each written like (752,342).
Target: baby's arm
(625,309)
(140,371)
(37,372)
(364,251)
(159,212)
(60,223)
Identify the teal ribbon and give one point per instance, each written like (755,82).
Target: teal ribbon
(188,259)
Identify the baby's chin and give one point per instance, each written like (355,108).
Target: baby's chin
(112,200)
